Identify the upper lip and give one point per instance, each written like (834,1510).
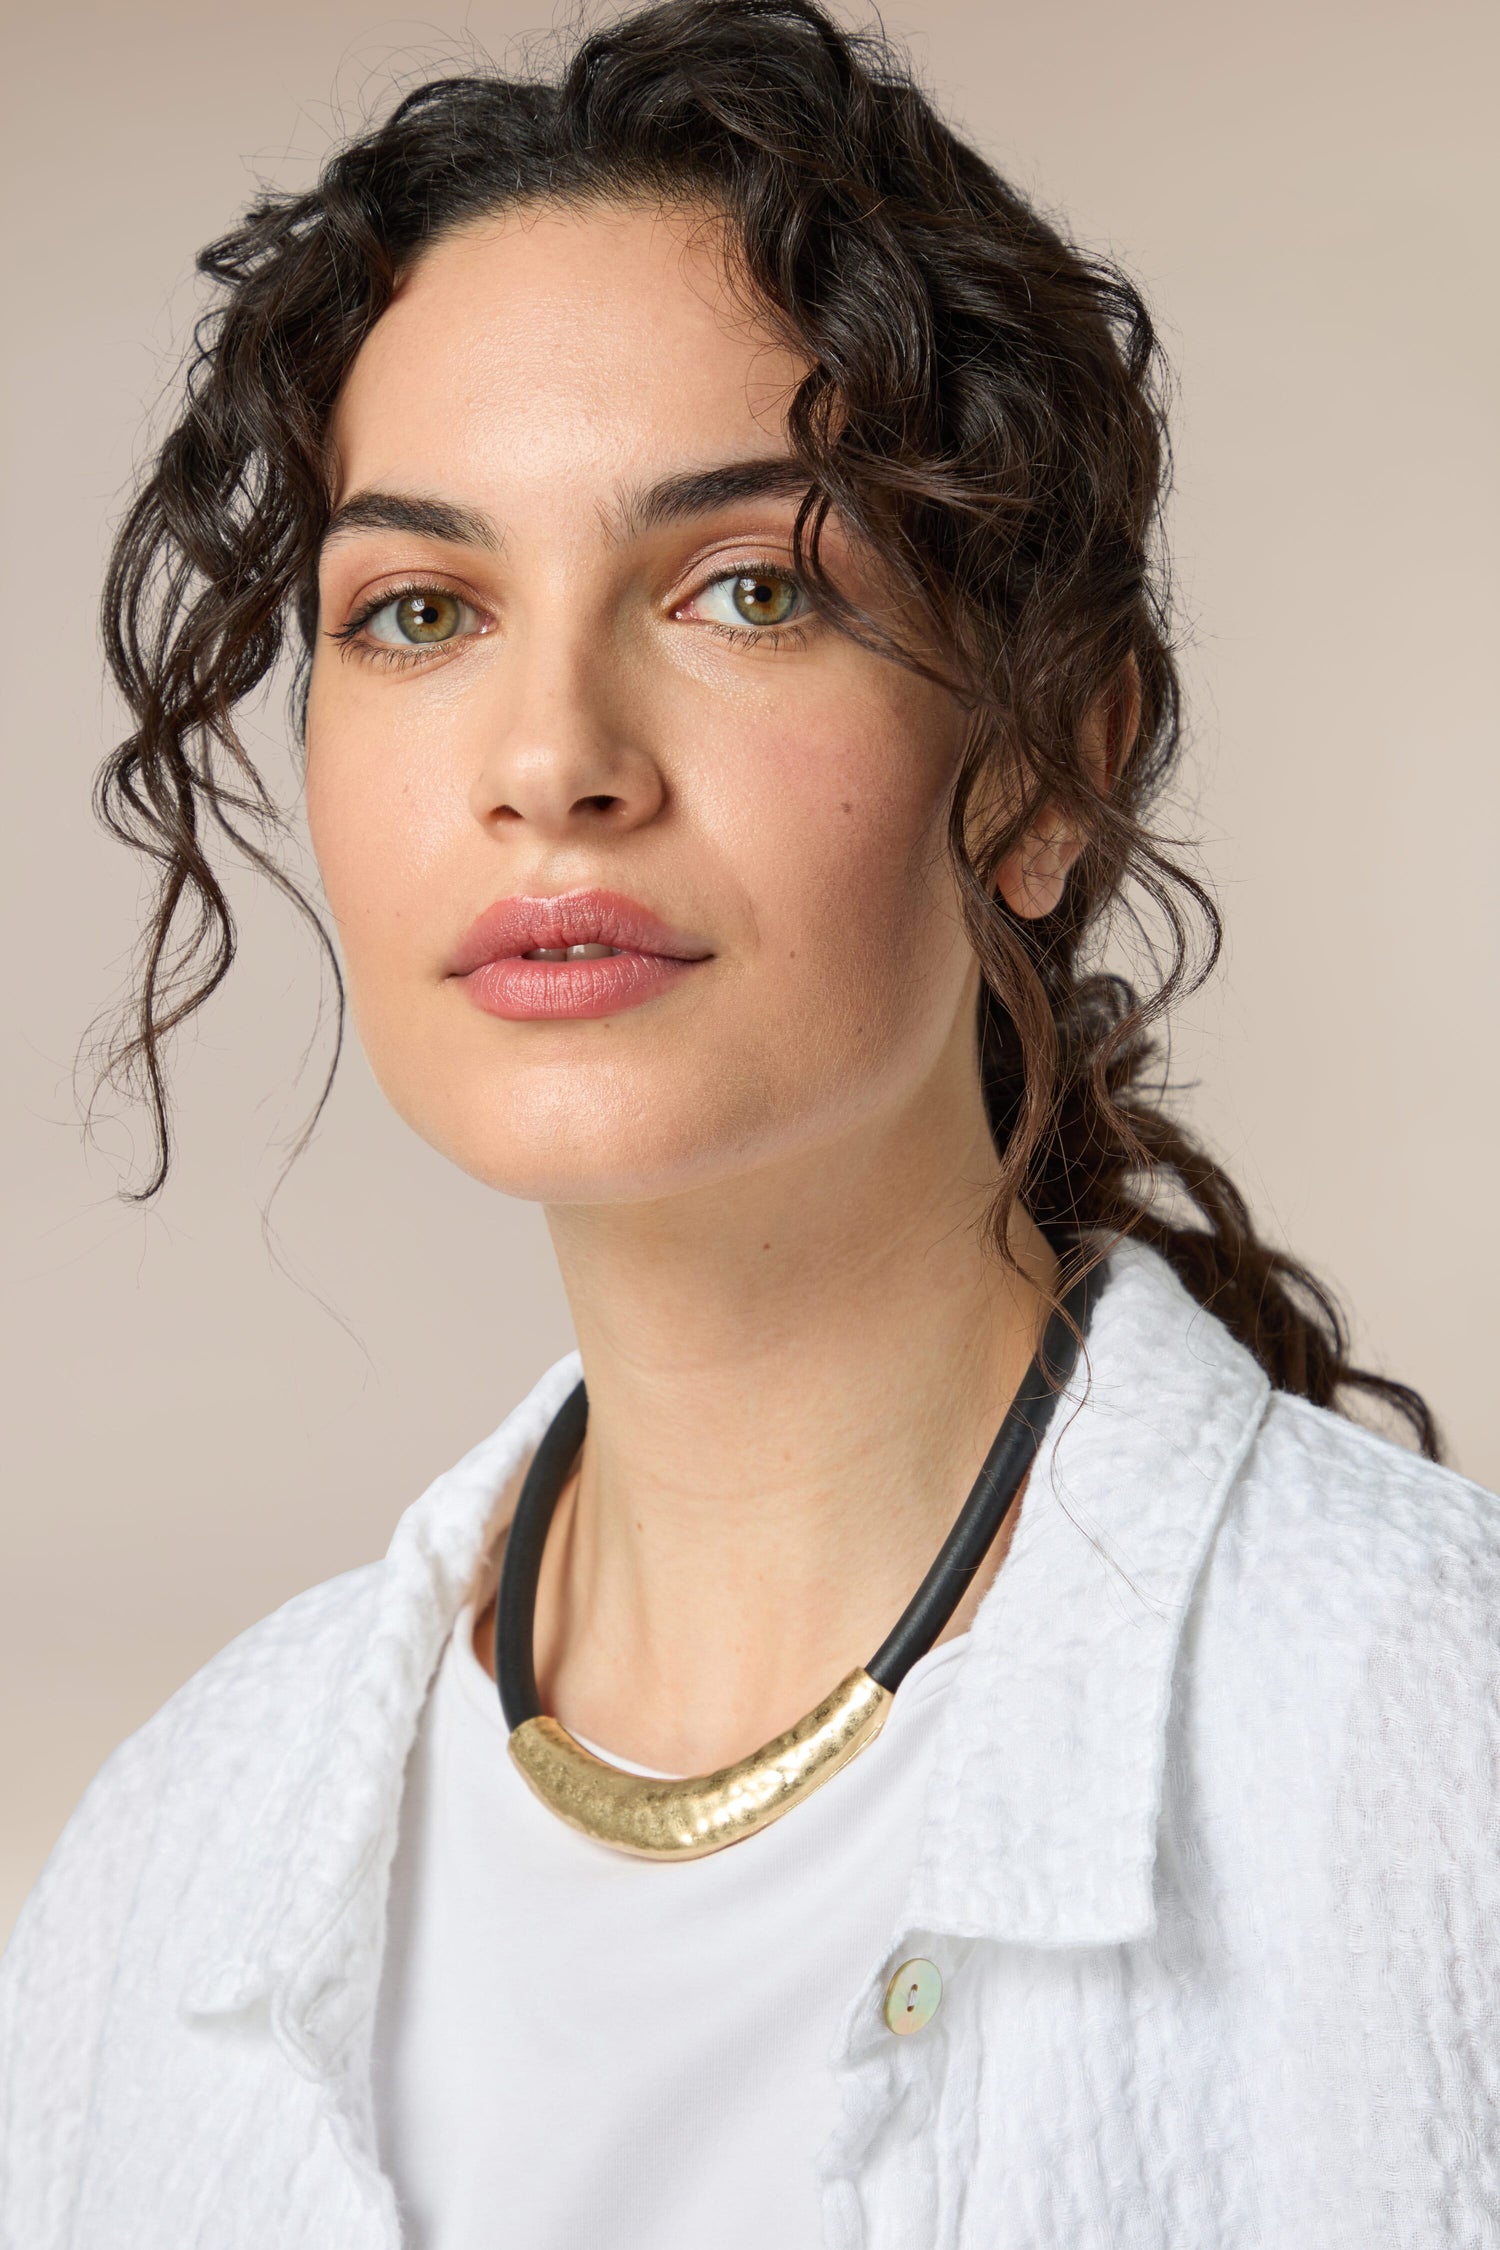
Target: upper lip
(513,926)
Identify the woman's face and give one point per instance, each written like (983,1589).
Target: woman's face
(566,693)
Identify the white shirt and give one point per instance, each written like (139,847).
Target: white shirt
(1208,1866)
(684,2020)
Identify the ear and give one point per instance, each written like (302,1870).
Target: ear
(1030,879)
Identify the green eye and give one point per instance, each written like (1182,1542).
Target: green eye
(418,619)
(761,598)
(764,597)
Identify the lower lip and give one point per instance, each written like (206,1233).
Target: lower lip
(528,991)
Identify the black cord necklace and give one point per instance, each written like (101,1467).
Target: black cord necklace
(687,1819)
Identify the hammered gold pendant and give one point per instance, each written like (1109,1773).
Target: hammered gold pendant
(666,1820)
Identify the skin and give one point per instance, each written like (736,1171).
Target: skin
(763,1185)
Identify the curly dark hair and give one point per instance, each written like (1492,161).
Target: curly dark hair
(984,405)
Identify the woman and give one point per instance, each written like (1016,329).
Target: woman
(719,518)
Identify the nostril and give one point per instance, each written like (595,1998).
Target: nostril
(601,803)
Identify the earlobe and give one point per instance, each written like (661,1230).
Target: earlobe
(1031,878)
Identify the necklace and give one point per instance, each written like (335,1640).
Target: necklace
(672,1820)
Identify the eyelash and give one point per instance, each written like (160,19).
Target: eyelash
(347,637)
(770,637)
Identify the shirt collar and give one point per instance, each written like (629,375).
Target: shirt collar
(1044,1807)
(1046,1795)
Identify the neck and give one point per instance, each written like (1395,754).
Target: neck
(792,1384)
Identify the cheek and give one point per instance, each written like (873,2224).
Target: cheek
(384,800)
(843,851)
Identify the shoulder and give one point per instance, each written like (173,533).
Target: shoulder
(229,1736)
(1356,1527)
(223,1850)
(1342,1666)
(325,1689)
(247,1709)
(274,1682)
(288,1743)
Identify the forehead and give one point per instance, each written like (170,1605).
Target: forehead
(562,349)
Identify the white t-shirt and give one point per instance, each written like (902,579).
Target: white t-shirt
(580,2051)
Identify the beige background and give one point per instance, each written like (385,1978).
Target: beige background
(193,1431)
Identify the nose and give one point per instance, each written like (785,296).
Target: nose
(567,754)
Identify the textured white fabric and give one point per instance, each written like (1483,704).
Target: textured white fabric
(1209,1866)
(684,2019)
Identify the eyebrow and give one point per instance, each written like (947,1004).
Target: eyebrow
(405,511)
(672,499)
(698,492)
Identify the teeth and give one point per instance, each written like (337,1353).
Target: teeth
(571,953)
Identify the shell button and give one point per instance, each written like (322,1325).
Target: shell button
(912,1996)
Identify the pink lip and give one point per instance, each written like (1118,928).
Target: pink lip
(490,958)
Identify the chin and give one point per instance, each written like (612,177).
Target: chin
(562,1173)
(600,1145)
(631,1127)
